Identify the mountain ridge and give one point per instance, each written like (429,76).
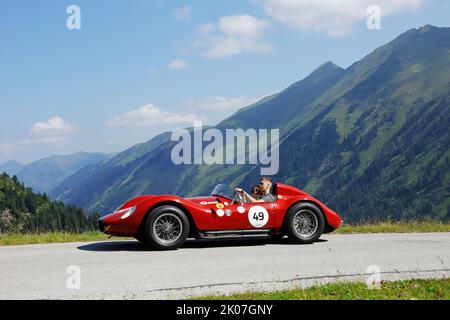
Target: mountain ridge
(45,174)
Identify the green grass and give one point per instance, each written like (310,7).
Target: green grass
(52,237)
(429,289)
(395,227)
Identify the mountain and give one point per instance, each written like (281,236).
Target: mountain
(23,211)
(44,175)
(377,145)
(372,140)
(11,167)
(292,101)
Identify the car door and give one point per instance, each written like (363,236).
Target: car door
(237,216)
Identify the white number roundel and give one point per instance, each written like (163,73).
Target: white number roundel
(258,216)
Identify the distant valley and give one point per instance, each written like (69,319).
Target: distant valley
(46,174)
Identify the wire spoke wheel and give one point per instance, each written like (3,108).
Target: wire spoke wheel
(167,228)
(305,223)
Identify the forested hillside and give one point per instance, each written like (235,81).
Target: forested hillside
(22,210)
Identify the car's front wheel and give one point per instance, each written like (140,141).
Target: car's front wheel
(304,223)
(166,228)
(140,238)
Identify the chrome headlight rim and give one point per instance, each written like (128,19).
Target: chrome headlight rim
(126,213)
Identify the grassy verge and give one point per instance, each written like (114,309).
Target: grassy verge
(430,289)
(395,227)
(52,237)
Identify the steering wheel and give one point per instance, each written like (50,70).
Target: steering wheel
(239,197)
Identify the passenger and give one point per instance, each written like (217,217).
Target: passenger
(256,192)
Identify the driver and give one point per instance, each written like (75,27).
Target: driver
(265,195)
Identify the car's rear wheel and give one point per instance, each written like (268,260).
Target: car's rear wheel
(167,228)
(304,223)
(277,236)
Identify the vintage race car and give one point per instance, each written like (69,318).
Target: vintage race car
(164,222)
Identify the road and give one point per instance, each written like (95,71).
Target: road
(127,270)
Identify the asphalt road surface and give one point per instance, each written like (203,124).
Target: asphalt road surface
(127,270)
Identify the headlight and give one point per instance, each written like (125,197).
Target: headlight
(117,210)
(126,212)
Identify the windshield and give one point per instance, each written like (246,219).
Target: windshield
(223,190)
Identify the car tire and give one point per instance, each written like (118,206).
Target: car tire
(140,238)
(278,236)
(166,228)
(304,223)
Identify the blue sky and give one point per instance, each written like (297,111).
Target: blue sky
(138,68)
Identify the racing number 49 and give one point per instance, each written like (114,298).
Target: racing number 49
(258,216)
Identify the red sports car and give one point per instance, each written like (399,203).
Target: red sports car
(165,222)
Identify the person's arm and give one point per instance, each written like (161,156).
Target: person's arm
(249,197)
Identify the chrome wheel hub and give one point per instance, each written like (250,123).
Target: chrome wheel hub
(305,223)
(167,228)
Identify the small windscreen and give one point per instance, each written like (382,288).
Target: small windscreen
(223,190)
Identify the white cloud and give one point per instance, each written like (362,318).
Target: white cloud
(232,35)
(242,26)
(55,126)
(335,17)
(50,133)
(149,115)
(178,64)
(218,104)
(183,13)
